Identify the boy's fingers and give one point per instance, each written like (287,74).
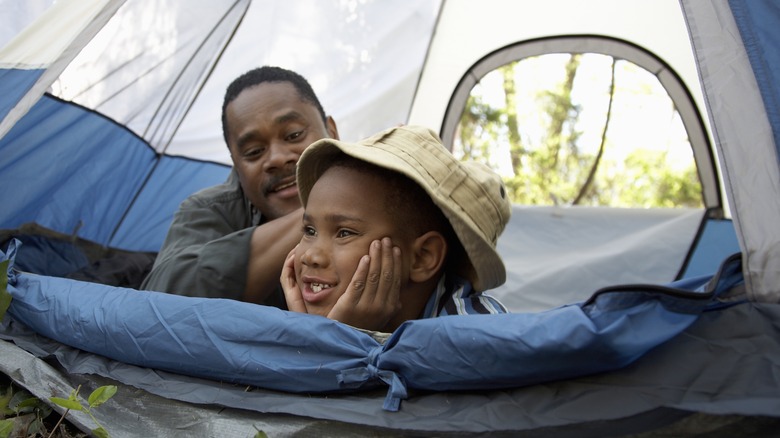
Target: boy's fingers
(374,273)
(386,275)
(358,283)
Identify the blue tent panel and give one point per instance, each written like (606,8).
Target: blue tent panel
(717,241)
(95,183)
(92,168)
(173,179)
(14,83)
(757,23)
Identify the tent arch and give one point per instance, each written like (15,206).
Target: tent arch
(619,49)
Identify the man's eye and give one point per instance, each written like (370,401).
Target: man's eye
(254,152)
(294,136)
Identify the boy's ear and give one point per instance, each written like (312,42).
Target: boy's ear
(428,254)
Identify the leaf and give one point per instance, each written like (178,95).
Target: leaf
(35,426)
(100,433)
(32,404)
(5,401)
(5,296)
(260,433)
(73,405)
(6,426)
(101,395)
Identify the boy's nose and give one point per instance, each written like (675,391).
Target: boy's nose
(314,257)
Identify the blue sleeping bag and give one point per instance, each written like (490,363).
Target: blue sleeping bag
(262,346)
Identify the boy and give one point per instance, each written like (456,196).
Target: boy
(395,228)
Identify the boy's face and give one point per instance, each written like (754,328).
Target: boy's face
(345,213)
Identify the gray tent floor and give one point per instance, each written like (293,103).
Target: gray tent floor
(718,378)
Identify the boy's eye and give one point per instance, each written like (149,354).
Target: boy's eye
(309,231)
(344,233)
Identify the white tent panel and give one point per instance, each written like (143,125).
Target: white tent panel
(48,38)
(364,69)
(468,31)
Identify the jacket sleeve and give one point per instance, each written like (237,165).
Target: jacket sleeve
(205,254)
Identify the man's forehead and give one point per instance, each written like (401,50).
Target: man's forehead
(279,101)
(277,90)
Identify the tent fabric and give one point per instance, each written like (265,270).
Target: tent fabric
(274,349)
(655,390)
(46,252)
(638,399)
(756,24)
(604,246)
(126,78)
(146,66)
(92,199)
(95,153)
(45,48)
(743,134)
(363,60)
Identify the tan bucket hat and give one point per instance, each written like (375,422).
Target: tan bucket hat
(470,195)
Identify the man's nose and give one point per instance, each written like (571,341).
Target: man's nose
(280,155)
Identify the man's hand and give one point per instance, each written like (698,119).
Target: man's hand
(292,293)
(372,297)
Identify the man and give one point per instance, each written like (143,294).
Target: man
(231,240)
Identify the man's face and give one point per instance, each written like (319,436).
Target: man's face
(345,213)
(269,126)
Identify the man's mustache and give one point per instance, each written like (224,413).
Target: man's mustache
(277,178)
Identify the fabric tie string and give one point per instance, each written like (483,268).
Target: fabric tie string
(356,377)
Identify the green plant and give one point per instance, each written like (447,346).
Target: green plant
(21,410)
(96,398)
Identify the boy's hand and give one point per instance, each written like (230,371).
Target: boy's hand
(373,296)
(292,293)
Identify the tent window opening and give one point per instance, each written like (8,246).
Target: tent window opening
(585,120)
(580,129)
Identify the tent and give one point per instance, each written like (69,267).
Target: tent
(110,117)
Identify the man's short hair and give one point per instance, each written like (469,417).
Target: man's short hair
(264,74)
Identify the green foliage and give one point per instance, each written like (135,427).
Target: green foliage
(555,167)
(479,123)
(22,411)
(6,427)
(101,395)
(649,181)
(96,398)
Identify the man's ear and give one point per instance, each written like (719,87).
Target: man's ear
(330,126)
(428,254)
